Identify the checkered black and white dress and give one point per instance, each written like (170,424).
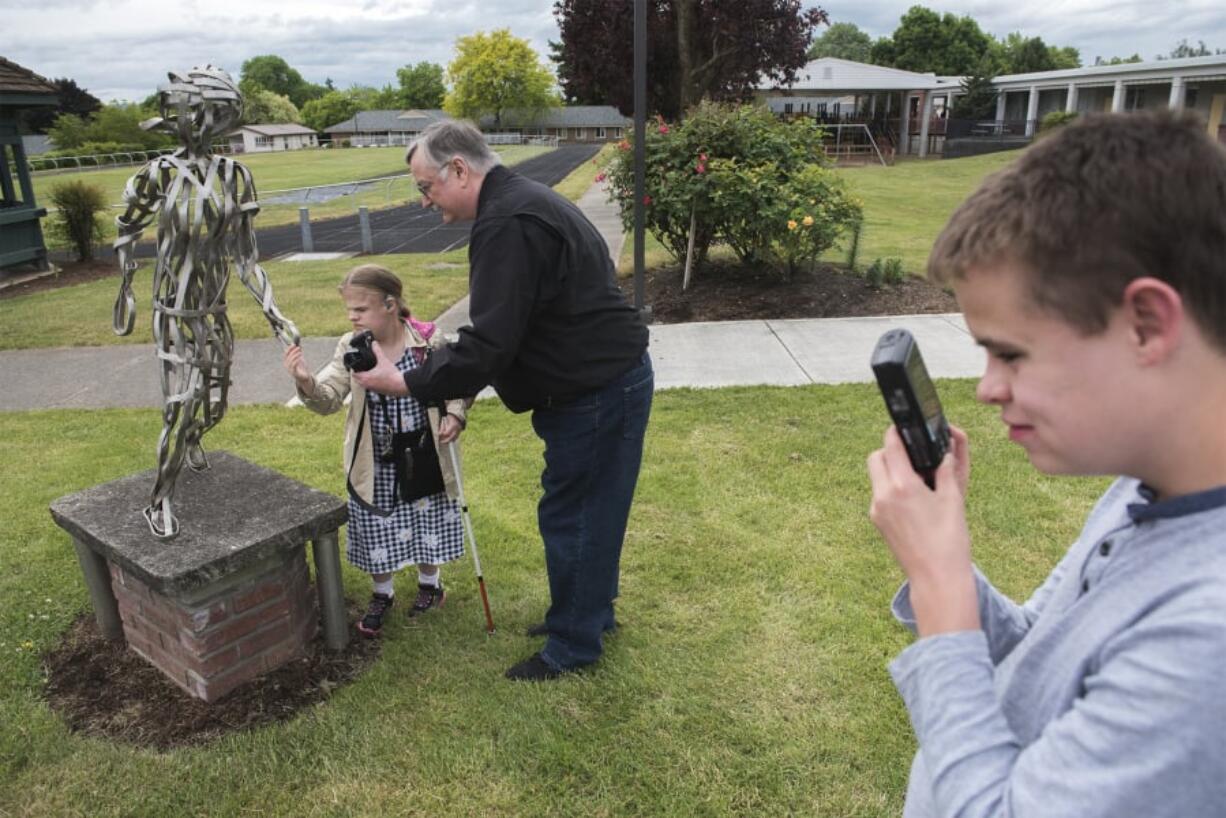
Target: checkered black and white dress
(428,530)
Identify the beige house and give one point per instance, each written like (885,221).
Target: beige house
(260,138)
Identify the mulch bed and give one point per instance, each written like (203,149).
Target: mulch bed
(104,690)
(76,272)
(725,292)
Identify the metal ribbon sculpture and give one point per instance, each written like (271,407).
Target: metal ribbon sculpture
(204,205)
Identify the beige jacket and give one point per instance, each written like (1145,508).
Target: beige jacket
(333,383)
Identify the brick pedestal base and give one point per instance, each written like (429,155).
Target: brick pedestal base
(226,600)
(211,645)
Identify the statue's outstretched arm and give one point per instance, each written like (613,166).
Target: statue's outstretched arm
(246,256)
(143,197)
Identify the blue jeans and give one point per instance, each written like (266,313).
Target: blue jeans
(593,448)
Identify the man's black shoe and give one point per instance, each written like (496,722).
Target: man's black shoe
(533,669)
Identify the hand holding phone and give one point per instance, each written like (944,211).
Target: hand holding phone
(912,401)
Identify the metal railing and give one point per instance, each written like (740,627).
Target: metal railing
(51,164)
(403,139)
(989,128)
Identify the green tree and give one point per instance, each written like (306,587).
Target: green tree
(266,108)
(1066,57)
(67,132)
(496,74)
(335,107)
(421,85)
(272,73)
(331,109)
(925,41)
(978,97)
(844,41)
(1018,54)
(1029,55)
(120,122)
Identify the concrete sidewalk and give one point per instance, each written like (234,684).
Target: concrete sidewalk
(728,353)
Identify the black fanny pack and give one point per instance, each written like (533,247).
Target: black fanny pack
(418,473)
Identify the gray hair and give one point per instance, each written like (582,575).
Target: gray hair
(449,138)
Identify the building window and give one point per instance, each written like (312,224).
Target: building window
(787,107)
(263,142)
(1134,99)
(600,133)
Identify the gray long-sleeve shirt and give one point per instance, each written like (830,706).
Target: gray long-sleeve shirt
(1103,695)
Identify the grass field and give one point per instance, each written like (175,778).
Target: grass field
(748,677)
(285,170)
(305,291)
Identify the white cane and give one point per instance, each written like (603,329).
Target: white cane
(472,540)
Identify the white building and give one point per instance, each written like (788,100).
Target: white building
(259,138)
(908,110)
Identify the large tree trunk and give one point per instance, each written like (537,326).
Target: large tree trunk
(686,11)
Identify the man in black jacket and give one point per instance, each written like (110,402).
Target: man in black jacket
(553,334)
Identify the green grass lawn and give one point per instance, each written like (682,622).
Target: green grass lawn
(748,678)
(284,170)
(905,206)
(305,291)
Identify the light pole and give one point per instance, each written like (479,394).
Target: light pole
(640,148)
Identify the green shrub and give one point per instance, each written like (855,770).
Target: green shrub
(893,272)
(748,179)
(875,274)
(78,221)
(1055,119)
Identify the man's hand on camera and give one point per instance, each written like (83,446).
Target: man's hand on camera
(385,378)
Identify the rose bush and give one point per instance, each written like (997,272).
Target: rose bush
(747,179)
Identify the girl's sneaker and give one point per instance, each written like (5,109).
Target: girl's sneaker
(428,596)
(370,625)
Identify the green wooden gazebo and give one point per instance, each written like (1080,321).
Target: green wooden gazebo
(21,234)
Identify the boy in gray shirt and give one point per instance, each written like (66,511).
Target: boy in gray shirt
(1093,272)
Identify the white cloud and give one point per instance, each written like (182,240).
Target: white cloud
(121,49)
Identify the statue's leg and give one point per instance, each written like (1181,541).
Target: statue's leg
(182,384)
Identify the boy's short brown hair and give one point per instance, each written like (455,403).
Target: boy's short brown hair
(1105,200)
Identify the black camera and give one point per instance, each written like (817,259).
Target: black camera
(361,355)
(912,401)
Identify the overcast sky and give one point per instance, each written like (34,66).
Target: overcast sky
(121,49)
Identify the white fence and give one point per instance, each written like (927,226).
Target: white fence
(403,138)
(51,164)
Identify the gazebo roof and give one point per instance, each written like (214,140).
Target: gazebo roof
(21,86)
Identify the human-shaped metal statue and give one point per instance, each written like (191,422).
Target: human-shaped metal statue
(204,204)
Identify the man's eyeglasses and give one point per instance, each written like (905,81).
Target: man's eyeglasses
(424,187)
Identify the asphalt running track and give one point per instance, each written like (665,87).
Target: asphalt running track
(405,229)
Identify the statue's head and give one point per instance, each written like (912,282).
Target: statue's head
(199,107)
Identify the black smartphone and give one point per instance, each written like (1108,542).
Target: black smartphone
(911,399)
